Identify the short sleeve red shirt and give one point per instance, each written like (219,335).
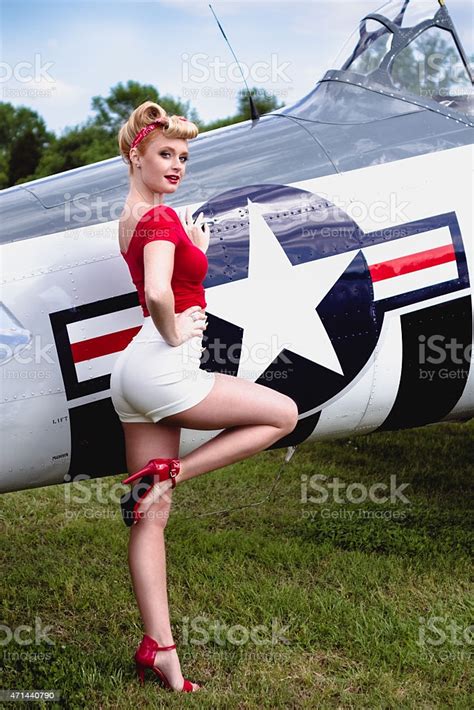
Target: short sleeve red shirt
(190,262)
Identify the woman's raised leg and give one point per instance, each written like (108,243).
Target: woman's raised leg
(253,417)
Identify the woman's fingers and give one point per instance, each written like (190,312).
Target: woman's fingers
(153,496)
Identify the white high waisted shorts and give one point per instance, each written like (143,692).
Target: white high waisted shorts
(151,379)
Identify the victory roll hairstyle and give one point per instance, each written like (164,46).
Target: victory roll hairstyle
(139,129)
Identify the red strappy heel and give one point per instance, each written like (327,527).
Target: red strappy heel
(161,469)
(145,657)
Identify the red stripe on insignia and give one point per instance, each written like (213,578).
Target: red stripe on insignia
(102,345)
(412,262)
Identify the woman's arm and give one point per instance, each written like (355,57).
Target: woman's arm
(158,260)
(161,309)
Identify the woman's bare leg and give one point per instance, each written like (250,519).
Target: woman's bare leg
(146,548)
(253,417)
(232,404)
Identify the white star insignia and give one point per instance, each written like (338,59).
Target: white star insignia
(276,304)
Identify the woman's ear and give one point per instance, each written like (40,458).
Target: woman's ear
(133,155)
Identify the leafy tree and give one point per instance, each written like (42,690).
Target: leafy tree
(264,103)
(113,111)
(79,145)
(23,139)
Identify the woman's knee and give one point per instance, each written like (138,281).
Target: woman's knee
(289,413)
(156,516)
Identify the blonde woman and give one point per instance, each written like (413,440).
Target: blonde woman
(157,385)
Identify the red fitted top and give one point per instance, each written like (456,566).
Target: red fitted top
(190,263)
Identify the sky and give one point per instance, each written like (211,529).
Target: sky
(57,54)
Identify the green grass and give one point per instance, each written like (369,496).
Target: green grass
(355,595)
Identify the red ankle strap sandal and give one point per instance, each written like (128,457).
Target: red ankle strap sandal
(145,658)
(161,469)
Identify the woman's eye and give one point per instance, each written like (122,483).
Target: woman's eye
(165,154)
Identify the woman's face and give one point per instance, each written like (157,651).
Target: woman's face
(163,164)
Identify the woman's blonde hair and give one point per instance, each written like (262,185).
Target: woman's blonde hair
(144,114)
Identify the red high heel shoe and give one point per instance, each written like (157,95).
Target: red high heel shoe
(161,469)
(145,657)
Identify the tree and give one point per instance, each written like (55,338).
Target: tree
(23,139)
(113,111)
(263,101)
(79,145)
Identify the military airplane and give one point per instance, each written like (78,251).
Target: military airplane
(340,261)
